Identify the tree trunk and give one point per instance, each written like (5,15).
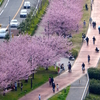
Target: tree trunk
(46,68)
(33,75)
(31,82)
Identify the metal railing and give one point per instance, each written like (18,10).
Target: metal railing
(86,90)
(37,7)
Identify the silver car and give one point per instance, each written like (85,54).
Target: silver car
(23,13)
(14,23)
(27,4)
(3,32)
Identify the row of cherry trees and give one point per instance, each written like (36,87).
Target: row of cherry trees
(63,16)
(22,54)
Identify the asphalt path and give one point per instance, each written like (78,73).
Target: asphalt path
(11,8)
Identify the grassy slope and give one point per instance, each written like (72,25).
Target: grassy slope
(41,77)
(61,95)
(77,38)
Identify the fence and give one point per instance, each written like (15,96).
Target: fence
(86,90)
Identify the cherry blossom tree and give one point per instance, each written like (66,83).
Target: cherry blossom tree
(62,16)
(22,54)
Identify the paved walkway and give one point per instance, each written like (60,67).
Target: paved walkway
(66,78)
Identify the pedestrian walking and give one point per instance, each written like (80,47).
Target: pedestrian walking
(90,20)
(69,66)
(83,67)
(53,87)
(94,39)
(84,23)
(88,59)
(94,24)
(86,6)
(50,80)
(99,29)
(96,49)
(83,37)
(57,87)
(21,86)
(87,40)
(62,66)
(15,86)
(39,97)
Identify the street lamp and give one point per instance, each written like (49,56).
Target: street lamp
(9,27)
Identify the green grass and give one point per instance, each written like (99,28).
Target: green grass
(61,95)
(41,77)
(92,97)
(77,38)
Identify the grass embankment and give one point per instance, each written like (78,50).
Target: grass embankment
(77,38)
(61,95)
(41,77)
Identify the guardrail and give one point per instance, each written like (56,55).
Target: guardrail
(37,7)
(86,90)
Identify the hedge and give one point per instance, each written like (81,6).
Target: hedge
(94,73)
(94,86)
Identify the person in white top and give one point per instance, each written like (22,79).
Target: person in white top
(39,97)
(57,87)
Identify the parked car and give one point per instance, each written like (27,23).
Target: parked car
(3,32)
(23,13)
(27,4)
(14,23)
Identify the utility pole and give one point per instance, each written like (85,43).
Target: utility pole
(9,28)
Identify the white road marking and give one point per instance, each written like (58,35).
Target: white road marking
(6,4)
(1,12)
(4,7)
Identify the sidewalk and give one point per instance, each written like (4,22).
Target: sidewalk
(66,78)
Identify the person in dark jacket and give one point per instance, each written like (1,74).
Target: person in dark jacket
(83,67)
(87,40)
(94,39)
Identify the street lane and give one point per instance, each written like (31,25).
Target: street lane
(11,9)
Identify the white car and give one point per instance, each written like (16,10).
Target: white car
(27,4)
(3,32)
(23,13)
(14,23)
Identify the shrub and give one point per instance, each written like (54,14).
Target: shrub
(7,37)
(94,73)
(94,86)
(74,53)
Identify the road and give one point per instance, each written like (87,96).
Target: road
(11,8)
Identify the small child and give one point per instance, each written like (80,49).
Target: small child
(57,87)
